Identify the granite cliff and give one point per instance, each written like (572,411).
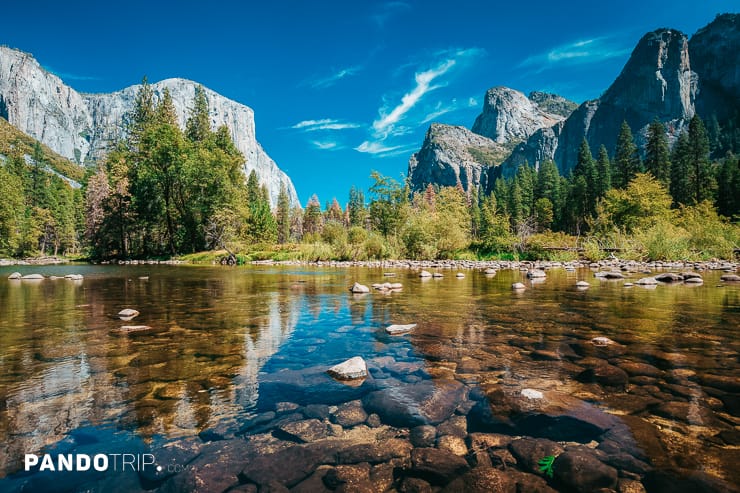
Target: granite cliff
(452,153)
(83,127)
(657,81)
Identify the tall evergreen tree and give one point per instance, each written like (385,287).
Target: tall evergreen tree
(603,172)
(283,215)
(312,216)
(586,168)
(657,155)
(701,177)
(526,177)
(165,109)
(728,193)
(198,127)
(626,158)
(356,207)
(681,169)
(142,113)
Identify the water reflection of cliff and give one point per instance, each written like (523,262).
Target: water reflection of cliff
(64,362)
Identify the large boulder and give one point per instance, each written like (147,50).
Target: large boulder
(352,369)
(415,404)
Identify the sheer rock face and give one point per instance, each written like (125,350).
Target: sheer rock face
(83,127)
(509,116)
(657,81)
(451,155)
(716,58)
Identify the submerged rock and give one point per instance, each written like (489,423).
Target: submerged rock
(352,369)
(437,466)
(32,277)
(399,329)
(483,480)
(15,275)
(730,277)
(425,273)
(646,281)
(358,288)
(517,286)
(127,314)
(415,404)
(583,472)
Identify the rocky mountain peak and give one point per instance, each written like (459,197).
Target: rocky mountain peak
(715,56)
(451,155)
(509,116)
(657,80)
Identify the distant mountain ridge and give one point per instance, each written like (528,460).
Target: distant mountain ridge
(667,76)
(452,154)
(83,127)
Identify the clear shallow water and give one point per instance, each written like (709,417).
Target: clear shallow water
(229,343)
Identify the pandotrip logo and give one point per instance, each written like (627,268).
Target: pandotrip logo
(86,462)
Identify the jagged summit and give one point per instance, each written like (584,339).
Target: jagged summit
(509,116)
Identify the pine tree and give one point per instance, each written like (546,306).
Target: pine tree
(603,172)
(356,207)
(283,215)
(165,109)
(586,168)
(142,113)
(253,187)
(548,182)
(680,185)
(728,193)
(626,158)
(701,177)
(526,177)
(515,203)
(198,128)
(312,216)
(657,155)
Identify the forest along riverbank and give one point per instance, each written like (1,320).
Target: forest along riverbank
(552,388)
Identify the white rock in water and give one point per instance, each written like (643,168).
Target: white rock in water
(601,341)
(460,275)
(583,284)
(518,286)
(536,274)
(647,281)
(15,275)
(32,276)
(399,329)
(359,288)
(351,369)
(396,285)
(127,314)
(437,275)
(531,394)
(490,272)
(425,274)
(74,277)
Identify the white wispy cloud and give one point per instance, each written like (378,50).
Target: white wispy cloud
(334,77)
(424,84)
(326,145)
(374,147)
(577,52)
(324,124)
(472,102)
(407,114)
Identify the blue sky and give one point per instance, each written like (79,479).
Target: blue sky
(341,88)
